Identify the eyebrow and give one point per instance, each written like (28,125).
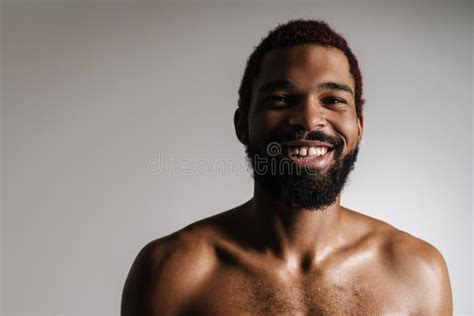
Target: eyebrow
(334,86)
(277,84)
(285,84)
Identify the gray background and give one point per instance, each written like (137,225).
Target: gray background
(94,91)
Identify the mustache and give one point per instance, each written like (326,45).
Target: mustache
(307,135)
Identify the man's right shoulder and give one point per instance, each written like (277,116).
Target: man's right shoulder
(169,271)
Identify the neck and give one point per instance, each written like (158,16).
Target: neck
(294,233)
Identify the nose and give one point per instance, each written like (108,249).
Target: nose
(308,114)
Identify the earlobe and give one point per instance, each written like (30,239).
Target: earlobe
(241,126)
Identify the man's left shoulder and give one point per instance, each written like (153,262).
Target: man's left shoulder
(399,248)
(412,256)
(420,267)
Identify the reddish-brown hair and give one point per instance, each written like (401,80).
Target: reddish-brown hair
(295,33)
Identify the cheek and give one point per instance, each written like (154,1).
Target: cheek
(263,125)
(349,131)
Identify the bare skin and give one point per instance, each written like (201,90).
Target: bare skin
(260,258)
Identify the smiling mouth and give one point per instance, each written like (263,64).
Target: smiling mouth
(308,151)
(317,156)
(306,148)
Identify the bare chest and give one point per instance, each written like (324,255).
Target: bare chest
(265,294)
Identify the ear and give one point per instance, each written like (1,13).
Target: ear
(360,127)
(241,126)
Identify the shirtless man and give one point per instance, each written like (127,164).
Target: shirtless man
(293,249)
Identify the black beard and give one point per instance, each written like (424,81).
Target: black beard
(299,188)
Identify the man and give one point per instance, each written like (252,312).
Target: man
(293,249)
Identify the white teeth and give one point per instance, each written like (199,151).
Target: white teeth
(304,151)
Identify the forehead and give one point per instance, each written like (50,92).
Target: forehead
(305,65)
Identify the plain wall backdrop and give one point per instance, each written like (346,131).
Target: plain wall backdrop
(95,93)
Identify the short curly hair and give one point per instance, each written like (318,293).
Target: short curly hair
(295,33)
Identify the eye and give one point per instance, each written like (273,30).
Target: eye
(277,99)
(333,100)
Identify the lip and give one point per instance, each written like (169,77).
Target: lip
(307,143)
(312,161)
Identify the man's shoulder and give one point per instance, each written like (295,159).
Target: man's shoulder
(402,250)
(190,247)
(394,242)
(414,263)
(399,248)
(169,271)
